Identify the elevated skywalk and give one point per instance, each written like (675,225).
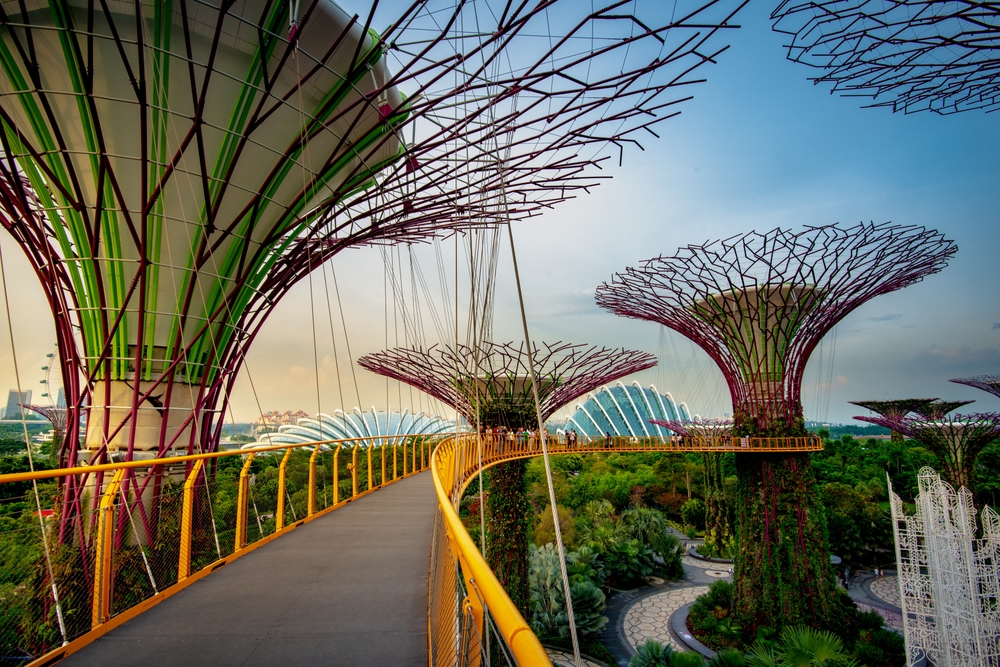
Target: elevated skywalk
(349,588)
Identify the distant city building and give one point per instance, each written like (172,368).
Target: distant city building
(625,411)
(358,424)
(61,398)
(14,403)
(275,419)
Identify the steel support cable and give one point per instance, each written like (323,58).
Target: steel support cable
(31,460)
(543,439)
(145,561)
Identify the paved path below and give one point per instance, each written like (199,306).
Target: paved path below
(349,588)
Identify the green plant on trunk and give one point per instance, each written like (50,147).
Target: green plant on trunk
(719,538)
(507,518)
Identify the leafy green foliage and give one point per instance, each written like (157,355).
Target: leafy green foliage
(654,654)
(628,562)
(693,513)
(548,601)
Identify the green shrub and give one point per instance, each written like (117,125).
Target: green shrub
(654,654)
(628,562)
(589,604)
(710,609)
(585,564)
(693,513)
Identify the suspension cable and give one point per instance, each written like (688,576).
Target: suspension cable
(542,436)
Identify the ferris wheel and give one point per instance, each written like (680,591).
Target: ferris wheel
(47,387)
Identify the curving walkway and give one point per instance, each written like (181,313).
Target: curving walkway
(349,588)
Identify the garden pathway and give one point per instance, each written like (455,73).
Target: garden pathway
(649,618)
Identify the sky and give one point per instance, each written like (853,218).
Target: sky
(759,147)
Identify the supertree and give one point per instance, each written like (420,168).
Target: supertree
(956,440)
(893,409)
(490,386)
(172,171)
(57,417)
(913,55)
(989,383)
(758,304)
(719,537)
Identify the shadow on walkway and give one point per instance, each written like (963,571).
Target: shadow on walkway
(349,588)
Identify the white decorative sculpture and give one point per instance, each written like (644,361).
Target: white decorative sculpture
(949,580)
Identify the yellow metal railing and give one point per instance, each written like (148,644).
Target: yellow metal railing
(209,509)
(459,617)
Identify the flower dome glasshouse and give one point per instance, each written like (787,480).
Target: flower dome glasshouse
(625,411)
(356,425)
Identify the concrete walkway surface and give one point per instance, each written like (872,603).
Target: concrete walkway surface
(349,588)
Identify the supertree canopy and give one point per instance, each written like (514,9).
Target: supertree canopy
(719,534)
(956,440)
(918,55)
(990,383)
(490,385)
(759,304)
(171,171)
(893,409)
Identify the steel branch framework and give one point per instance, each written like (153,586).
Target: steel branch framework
(759,304)
(956,440)
(990,383)
(909,55)
(172,169)
(495,376)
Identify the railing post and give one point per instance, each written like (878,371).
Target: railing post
(395,456)
(414,455)
(423,458)
(279,514)
(312,482)
(101,608)
(336,475)
(187,519)
(404,458)
(354,471)
(242,501)
(369,466)
(383,463)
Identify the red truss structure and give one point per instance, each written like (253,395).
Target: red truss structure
(956,440)
(172,171)
(493,380)
(913,55)
(759,304)
(990,383)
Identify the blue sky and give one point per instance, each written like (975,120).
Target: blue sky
(758,147)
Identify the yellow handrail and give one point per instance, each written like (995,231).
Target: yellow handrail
(515,630)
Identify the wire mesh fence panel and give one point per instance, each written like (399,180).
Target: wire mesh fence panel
(206,546)
(29,616)
(444,603)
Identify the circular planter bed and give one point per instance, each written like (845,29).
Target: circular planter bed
(693,552)
(678,623)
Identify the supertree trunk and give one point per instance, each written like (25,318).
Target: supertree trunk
(718,527)
(782,569)
(507,517)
